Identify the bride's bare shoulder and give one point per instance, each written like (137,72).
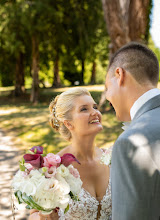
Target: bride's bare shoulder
(64,151)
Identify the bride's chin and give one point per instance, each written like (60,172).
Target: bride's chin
(98,129)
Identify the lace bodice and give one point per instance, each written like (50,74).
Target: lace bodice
(87,207)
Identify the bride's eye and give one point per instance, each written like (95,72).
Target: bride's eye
(83,109)
(95,107)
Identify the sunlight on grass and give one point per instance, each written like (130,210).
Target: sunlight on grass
(29,124)
(30,127)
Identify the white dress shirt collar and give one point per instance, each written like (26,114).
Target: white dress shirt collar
(142,100)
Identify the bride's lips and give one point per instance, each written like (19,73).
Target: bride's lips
(95,121)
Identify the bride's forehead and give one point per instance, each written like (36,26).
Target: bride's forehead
(84,99)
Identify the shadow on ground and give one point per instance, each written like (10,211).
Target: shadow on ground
(9,157)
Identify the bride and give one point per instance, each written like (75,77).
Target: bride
(75,116)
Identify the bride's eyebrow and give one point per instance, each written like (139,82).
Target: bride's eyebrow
(83,106)
(87,105)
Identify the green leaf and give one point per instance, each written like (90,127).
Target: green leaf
(22,161)
(30,152)
(44,169)
(66,209)
(21,164)
(31,204)
(73,197)
(22,167)
(29,201)
(18,195)
(28,207)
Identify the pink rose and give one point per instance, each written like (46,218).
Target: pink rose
(25,173)
(51,160)
(74,172)
(50,172)
(29,167)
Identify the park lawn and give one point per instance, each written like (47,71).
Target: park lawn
(29,124)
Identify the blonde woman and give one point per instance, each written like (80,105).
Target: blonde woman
(74,114)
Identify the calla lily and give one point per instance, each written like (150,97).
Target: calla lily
(36,160)
(37,149)
(67,159)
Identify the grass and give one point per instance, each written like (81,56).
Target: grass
(29,124)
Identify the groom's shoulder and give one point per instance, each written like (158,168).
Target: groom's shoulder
(146,127)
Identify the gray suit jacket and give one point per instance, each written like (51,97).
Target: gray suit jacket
(135,168)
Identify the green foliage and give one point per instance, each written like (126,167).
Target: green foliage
(72,30)
(21,164)
(28,200)
(156,50)
(148,20)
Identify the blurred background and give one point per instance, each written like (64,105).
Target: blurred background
(49,46)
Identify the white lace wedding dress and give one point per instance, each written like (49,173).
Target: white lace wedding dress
(87,207)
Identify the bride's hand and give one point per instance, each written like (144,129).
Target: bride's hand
(52,216)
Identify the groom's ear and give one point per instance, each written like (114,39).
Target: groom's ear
(120,74)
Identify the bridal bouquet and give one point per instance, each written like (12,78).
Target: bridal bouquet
(46,182)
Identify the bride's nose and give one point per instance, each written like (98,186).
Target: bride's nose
(94,112)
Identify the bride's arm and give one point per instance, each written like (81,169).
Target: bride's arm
(36,215)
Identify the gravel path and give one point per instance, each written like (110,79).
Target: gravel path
(9,157)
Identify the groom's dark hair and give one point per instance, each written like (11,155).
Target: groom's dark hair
(138,60)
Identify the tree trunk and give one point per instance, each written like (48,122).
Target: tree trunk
(138,19)
(35,70)
(93,76)
(116,25)
(82,72)
(19,76)
(126,21)
(57,81)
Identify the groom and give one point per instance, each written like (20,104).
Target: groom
(131,82)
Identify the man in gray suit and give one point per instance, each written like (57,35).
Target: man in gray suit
(131,82)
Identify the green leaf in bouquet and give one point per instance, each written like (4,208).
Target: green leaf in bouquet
(66,209)
(73,197)
(22,161)
(28,207)
(18,195)
(21,164)
(30,152)
(29,201)
(31,204)
(44,169)
(26,199)
(22,167)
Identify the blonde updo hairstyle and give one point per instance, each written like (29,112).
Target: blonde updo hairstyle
(61,107)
